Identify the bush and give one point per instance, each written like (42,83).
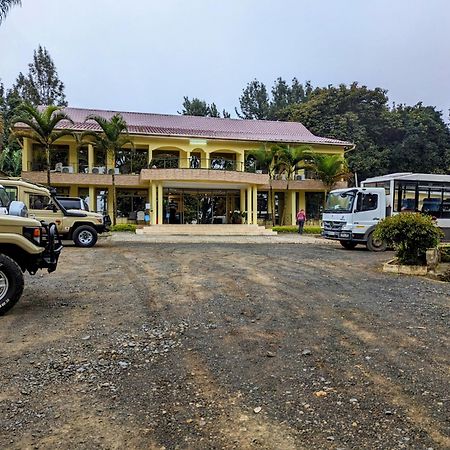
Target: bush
(411,234)
(124,227)
(294,229)
(445,253)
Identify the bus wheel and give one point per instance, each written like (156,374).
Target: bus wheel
(375,245)
(348,245)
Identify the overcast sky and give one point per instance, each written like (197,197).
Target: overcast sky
(145,55)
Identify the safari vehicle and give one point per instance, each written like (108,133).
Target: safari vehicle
(80,226)
(25,245)
(73,203)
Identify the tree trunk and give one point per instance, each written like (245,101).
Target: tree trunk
(47,157)
(114,196)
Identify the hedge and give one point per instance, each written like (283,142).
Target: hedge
(294,229)
(129,227)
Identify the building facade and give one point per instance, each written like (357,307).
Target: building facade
(184,169)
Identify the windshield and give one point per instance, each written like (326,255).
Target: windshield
(4,198)
(341,202)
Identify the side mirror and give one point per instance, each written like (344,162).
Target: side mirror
(18,209)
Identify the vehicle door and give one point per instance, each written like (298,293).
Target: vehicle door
(41,207)
(369,210)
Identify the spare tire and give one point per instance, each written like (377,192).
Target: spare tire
(11,283)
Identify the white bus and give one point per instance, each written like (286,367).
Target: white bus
(351,215)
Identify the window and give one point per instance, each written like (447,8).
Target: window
(367,202)
(12,192)
(40,202)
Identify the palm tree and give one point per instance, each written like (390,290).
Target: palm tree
(328,168)
(112,138)
(42,127)
(5,6)
(266,159)
(287,162)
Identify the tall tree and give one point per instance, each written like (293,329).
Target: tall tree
(41,86)
(329,169)
(352,113)
(111,139)
(5,6)
(254,102)
(197,107)
(265,159)
(42,127)
(10,151)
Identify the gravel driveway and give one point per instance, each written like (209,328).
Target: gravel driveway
(211,346)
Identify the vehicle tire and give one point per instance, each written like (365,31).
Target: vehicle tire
(348,245)
(375,245)
(85,236)
(11,283)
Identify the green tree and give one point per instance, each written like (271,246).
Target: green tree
(329,169)
(287,162)
(422,139)
(5,6)
(352,113)
(42,127)
(254,102)
(265,159)
(197,107)
(41,86)
(10,151)
(111,139)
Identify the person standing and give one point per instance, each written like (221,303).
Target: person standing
(301,217)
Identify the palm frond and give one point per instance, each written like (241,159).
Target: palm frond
(6,5)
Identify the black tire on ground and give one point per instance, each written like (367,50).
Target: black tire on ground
(85,236)
(348,245)
(11,283)
(375,245)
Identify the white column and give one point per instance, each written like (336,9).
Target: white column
(160,204)
(242,207)
(153,206)
(293,208)
(255,205)
(249,206)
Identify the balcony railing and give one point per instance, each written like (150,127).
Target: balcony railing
(166,163)
(196,163)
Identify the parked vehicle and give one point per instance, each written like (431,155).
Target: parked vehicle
(350,215)
(80,226)
(76,203)
(25,245)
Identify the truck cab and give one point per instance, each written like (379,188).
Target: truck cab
(350,216)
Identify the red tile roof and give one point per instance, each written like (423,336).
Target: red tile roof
(204,127)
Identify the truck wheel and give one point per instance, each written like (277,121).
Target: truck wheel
(11,283)
(375,245)
(85,236)
(348,245)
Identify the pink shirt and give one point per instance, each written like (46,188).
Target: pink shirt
(301,216)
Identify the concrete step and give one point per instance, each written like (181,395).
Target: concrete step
(206,230)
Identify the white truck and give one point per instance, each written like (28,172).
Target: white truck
(351,214)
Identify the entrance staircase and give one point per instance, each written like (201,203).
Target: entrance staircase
(206,230)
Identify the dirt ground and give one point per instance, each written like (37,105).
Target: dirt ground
(214,346)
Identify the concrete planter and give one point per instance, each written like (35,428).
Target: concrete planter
(393,267)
